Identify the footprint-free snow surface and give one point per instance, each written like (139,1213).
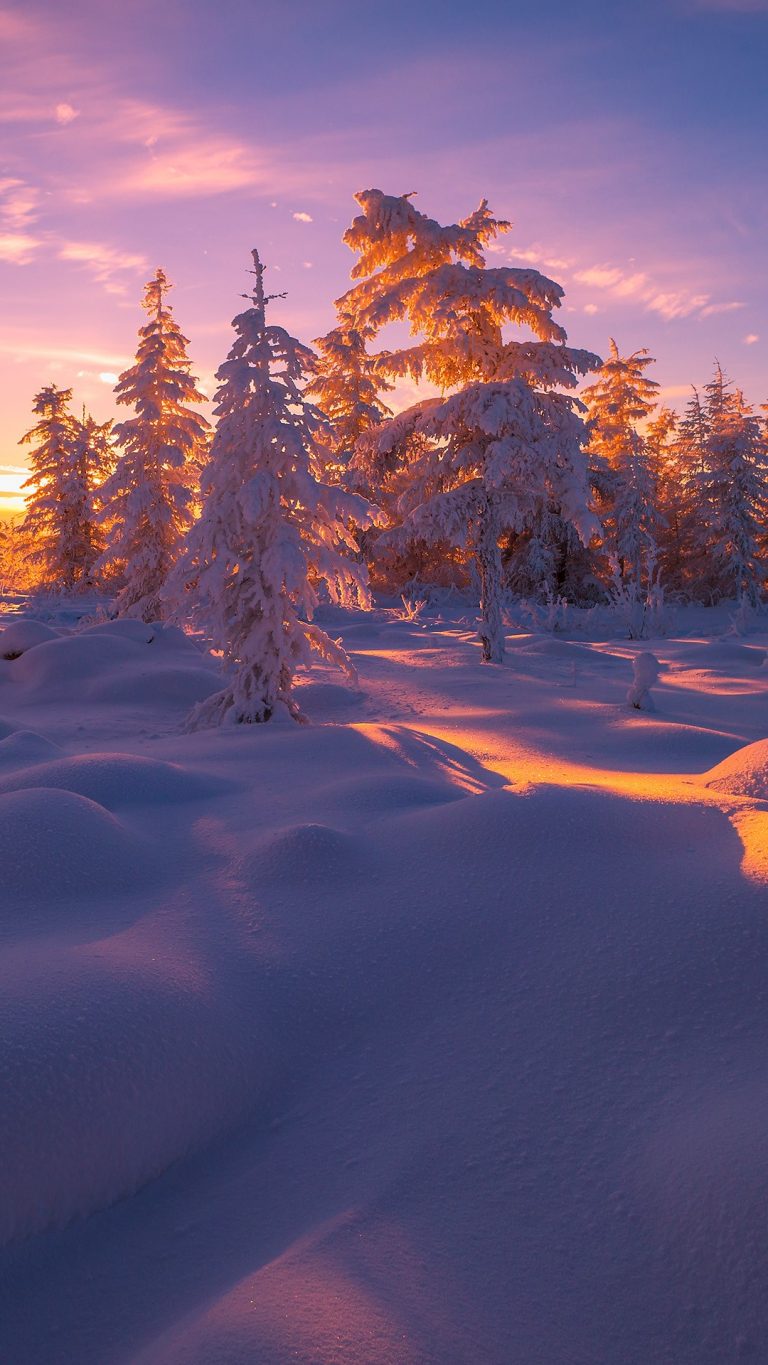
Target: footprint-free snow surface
(432,1032)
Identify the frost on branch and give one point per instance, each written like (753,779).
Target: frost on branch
(271,533)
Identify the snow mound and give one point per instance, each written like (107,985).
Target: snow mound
(55,844)
(24,747)
(744,773)
(69,663)
(22,635)
(138,632)
(303,853)
(117,780)
(7,728)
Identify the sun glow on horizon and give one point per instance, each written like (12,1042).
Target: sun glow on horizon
(11,495)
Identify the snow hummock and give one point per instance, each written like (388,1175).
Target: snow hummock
(744,773)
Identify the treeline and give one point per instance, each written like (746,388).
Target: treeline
(508,482)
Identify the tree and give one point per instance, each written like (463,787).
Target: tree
(732,483)
(504,441)
(619,402)
(58,524)
(345,387)
(149,501)
(270,534)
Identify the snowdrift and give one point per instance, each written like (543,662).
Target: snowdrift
(745,773)
(431,1031)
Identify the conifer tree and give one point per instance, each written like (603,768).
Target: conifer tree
(270,532)
(619,401)
(58,524)
(346,389)
(505,440)
(732,483)
(148,502)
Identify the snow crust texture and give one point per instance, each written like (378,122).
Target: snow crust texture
(429,1033)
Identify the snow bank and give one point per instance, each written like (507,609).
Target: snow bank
(61,843)
(22,635)
(744,773)
(116,780)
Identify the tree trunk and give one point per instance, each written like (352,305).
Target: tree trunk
(488,559)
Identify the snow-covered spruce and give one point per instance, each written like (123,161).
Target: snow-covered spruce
(345,387)
(59,523)
(618,402)
(270,532)
(508,441)
(148,502)
(731,482)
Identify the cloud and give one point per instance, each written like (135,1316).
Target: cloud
(18,248)
(302,217)
(64,113)
(535,254)
(677,302)
(713,308)
(751,338)
(591,308)
(18,203)
(21,350)
(105,263)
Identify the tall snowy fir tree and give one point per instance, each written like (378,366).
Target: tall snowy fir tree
(619,403)
(58,525)
(732,483)
(271,534)
(345,387)
(149,500)
(505,441)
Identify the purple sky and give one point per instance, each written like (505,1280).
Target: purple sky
(626,143)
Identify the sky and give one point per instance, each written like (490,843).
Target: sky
(626,143)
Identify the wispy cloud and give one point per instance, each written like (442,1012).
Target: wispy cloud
(751,338)
(302,217)
(107,264)
(679,301)
(18,248)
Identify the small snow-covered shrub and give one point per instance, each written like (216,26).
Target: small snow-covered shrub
(646,668)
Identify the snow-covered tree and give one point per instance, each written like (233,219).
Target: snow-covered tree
(346,389)
(149,500)
(505,440)
(58,525)
(732,482)
(619,403)
(270,534)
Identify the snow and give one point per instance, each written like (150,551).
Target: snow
(430,1031)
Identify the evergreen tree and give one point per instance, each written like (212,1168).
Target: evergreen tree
(732,483)
(345,387)
(619,401)
(270,533)
(58,524)
(149,501)
(505,441)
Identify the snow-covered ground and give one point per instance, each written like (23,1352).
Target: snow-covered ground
(432,1031)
